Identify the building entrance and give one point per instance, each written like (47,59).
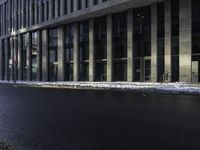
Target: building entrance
(195,71)
(142,69)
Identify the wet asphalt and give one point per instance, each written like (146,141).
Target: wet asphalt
(62,119)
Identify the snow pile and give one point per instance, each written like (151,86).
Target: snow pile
(148,86)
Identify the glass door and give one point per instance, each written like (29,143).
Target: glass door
(147,70)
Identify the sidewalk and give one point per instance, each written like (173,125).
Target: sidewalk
(171,88)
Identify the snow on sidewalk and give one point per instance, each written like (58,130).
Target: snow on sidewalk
(147,86)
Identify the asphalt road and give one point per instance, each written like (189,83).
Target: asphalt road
(61,119)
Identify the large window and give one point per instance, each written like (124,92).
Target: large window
(34,54)
(24,56)
(161,35)
(142,43)
(119,40)
(53,55)
(69,52)
(100,48)
(196,35)
(175,40)
(84,50)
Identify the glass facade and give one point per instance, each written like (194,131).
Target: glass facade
(100,48)
(34,54)
(175,40)
(142,43)
(119,41)
(53,55)
(24,56)
(40,60)
(160,41)
(196,36)
(83,45)
(69,52)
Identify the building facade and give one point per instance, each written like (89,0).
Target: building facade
(100,40)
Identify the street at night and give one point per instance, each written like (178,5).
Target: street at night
(62,119)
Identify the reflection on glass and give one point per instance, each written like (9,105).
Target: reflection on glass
(34,53)
(53,55)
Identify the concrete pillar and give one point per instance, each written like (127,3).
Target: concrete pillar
(39,52)
(75,5)
(130,46)
(45,46)
(90,3)
(31,12)
(185,40)
(1,60)
(91,51)
(40,3)
(28,59)
(83,4)
(8,15)
(62,7)
(20,57)
(168,38)
(56,8)
(109,49)
(15,61)
(27,13)
(3,23)
(61,56)
(45,11)
(68,6)
(50,9)
(76,53)
(36,12)
(154,47)
(22,10)
(11,66)
(6,59)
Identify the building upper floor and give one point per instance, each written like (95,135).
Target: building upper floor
(19,16)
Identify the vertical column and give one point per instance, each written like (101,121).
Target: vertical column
(130,46)
(11,61)
(90,3)
(185,40)
(91,50)
(28,59)
(1,60)
(69,6)
(6,59)
(50,9)
(75,5)
(83,3)
(36,11)
(22,11)
(56,8)
(62,7)
(15,61)
(27,13)
(109,49)
(45,45)
(61,56)
(45,10)
(8,15)
(31,12)
(168,38)
(3,23)
(40,12)
(154,47)
(76,53)
(39,57)
(19,57)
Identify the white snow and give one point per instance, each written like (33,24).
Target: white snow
(178,87)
